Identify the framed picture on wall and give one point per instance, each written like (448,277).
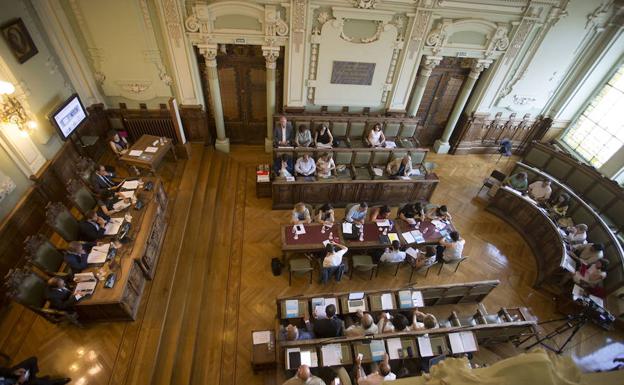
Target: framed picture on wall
(18,39)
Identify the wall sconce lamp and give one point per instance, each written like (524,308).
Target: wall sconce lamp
(12,111)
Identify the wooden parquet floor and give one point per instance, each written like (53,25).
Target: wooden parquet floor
(214,284)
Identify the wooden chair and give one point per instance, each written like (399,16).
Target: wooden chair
(62,221)
(299,267)
(392,264)
(420,269)
(81,196)
(489,182)
(343,159)
(46,258)
(429,167)
(456,263)
(363,262)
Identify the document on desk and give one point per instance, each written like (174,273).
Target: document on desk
(98,254)
(261,337)
(347,228)
(130,184)
(377,171)
(569,264)
(112,227)
(386,301)
(383,223)
(356,295)
(405,299)
(151,149)
(293,358)
(438,224)
(378,350)
(418,236)
(417,299)
(127,194)
(306,358)
(121,205)
(462,342)
(331,354)
(299,229)
(394,345)
(84,277)
(412,252)
(393,237)
(85,288)
(135,153)
(410,221)
(390,144)
(292,308)
(424,346)
(577,292)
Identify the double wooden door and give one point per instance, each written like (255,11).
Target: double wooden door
(439,98)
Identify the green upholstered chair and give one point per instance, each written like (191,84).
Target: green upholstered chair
(84,168)
(380,161)
(361,165)
(62,221)
(391,130)
(44,256)
(26,288)
(81,196)
(429,167)
(407,139)
(455,263)
(421,269)
(356,134)
(299,267)
(395,265)
(363,263)
(339,132)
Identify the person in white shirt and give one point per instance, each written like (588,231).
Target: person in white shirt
(393,254)
(305,165)
(379,373)
(588,253)
(540,190)
(300,214)
(376,137)
(451,251)
(325,165)
(593,275)
(365,326)
(576,235)
(332,263)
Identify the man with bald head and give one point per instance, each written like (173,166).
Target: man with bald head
(378,374)
(364,327)
(304,377)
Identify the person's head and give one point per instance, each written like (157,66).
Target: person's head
(363,206)
(300,207)
(396,245)
(406,159)
(430,251)
(304,373)
(327,207)
(400,322)
(384,368)
(292,333)
(602,264)
(325,156)
(329,248)
(284,158)
(367,320)
(330,310)
(430,321)
(385,209)
(521,176)
(418,207)
(322,127)
(442,210)
(306,156)
(56,282)
(116,138)
(597,247)
(546,183)
(564,198)
(454,236)
(581,228)
(101,170)
(282,120)
(75,247)
(303,128)
(377,127)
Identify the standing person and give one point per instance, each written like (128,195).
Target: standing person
(325,166)
(303,137)
(451,251)
(332,263)
(283,133)
(305,165)
(323,138)
(325,215)
(357,213)
(25,373)
(376,137)
(540,190)
(300,214)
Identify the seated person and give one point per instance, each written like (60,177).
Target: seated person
(323,137)
(364,327)
(379,213)
(419,212)
(560,206)
(305,165)
(575,235)
(103,181)
(451,251)
(92,227)
(399,167)
(332,263)
(76,255)
(118,144)
(328,327)
(60,297)
(357,213)
(439,213)
(325,215)
(303,137)
(25,373)
(588,253)
(325,165)
(424,259)
(292,332)
(593,275)
(283,133)
(398,322)
(283,166)
(393,254)
(406,212)
(517,181)
(106,207)
(375,137)
(300,214)
(540,190)
(379,373)
(304,377)
(429,321)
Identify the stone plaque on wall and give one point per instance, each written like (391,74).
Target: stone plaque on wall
(350,72)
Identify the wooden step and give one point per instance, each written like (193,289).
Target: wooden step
(144,358)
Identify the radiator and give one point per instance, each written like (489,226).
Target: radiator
(150,126)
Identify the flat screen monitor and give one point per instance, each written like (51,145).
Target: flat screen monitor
(69,116)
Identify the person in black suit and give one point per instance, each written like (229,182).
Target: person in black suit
(25,373)
(331,326)
(91,228)
(283,133)
(76,255)
(60,297)
(102,181)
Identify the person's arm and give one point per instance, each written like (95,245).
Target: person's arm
(369,138)
(294,219)
(297,140)
(385,256)
(315,137)
(308,218)
(113,147)
(359,372)
(331,137)
(382,138)
(331,219)
(374,214)
(298,167)
(313,168)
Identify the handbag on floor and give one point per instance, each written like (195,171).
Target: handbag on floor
(276,266)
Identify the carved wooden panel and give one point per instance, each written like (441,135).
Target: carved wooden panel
(195,122)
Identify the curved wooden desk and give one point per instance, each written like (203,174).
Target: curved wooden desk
(537,229)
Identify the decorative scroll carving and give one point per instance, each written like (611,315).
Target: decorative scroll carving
(172,20)
(209,52)
(135,87)
(438,36)
(428,64)
(73,186)
(477,67)
(53,211)
(365,4)
(498,42)
(270,55)
(192,23)
(298,22)
(518,39)
(273,24)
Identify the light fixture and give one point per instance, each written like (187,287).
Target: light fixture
(12,111)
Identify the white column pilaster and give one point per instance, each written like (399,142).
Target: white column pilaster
(209,52)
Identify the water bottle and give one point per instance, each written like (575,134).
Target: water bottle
(331,236)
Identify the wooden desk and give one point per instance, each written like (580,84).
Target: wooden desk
(311,241)
(263,355)
(345,350)
(364,347)
(371,238)
(406,342)
(137,261)
(302,310)
(374,301)
(146,160)
(431,234)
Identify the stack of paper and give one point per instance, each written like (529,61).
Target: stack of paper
(130,184)
(386,301)
(378,350)
(417,299)
(299,229)
(127,194)
(410,221)
(412,252)
(135,153)
(384,223)
(438,224)
(332,354)
(408,237)
(261,337)
(462,342)
(569,264)
(292,308)
(263,178)
(319,305)
(120,205)
(405,299)
(394,345)
(112,227)
(85,288)
(424,346)
(293,358)
(347,228)
(151,149)
(418,236)
(393,237)
(98,254)
(390,144)
(377,171)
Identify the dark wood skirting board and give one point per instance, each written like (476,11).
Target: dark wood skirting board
(341,192)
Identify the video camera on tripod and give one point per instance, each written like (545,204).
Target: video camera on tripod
(595,313)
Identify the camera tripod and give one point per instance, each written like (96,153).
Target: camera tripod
(571,322)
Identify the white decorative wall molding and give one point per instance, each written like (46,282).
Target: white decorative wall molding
(7,185)
(365,4)
(172,19)
(271,53)
(439,41)
(134,89)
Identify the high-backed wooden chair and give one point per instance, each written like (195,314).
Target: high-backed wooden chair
(391,131)
(339,132)
(356,134)
(42,255)
(361,165)
(407,139)
(81,196)
(84,168)
(62,221)
(343,159)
